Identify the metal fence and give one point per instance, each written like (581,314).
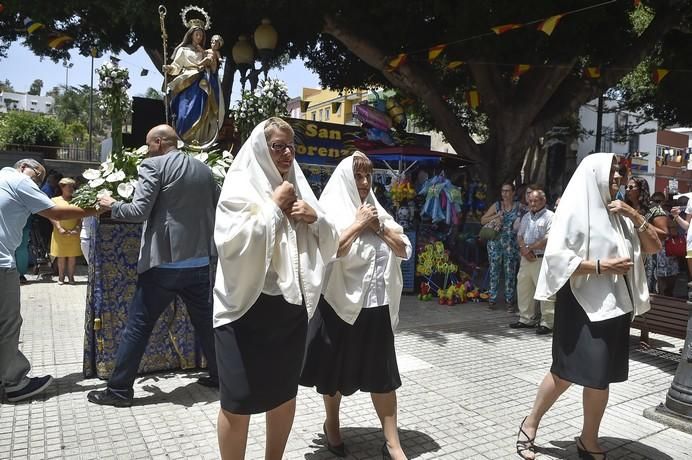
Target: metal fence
(63,152)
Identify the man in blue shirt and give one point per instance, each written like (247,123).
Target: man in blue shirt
(20,196)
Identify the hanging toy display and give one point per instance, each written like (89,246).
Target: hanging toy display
(379,116)
(443,200)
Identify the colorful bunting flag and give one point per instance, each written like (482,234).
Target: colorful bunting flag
(549,24)
(32,26)
(454,64)
(435,51)
(499,30)
(473,99)
(397,61)
(58,41)
(659,74)
(592,72)
(520,69)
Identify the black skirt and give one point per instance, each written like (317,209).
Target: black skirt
(590,354)
(347,358)
(260,356)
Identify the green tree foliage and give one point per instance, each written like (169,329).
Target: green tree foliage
(26,128)
(35,88)
(6,86)
(152,93)
(349,43)
(72,106)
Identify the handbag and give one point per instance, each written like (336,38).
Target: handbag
(488,233)
(676,246)
(491,230)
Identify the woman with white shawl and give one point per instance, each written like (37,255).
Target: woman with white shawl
(593,263)
(271,235)
(351,335)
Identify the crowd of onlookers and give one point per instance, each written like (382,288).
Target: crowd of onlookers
(523,219)
(57,244)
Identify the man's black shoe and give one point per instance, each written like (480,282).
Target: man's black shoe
(210,382)
(35,386)
(543,330)
(108,398)
(520,325)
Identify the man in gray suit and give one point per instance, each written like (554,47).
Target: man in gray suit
(176,198)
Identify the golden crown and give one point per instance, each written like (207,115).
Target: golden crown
(195,22)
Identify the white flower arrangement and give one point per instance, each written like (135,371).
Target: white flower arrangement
(113,85)
(269,99)
(118,175)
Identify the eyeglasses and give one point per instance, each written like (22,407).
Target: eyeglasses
(631,187)
(279,147)
(37,175)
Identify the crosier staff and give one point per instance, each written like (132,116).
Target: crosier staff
(164,38)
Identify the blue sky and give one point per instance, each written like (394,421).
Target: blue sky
(22,67)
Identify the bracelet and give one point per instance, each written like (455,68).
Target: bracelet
(380,231)
(598,266)
(643,227)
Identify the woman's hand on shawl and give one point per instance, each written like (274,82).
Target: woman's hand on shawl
(366,216)
(622,208)
(301,211)
(284,196)
(616,266)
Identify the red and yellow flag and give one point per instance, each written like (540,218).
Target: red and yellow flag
(592,72)
(397,61)
(454,64)
(499,30)
(473,99)
(435,51)
(658,75)
(58,41)
(520,69)
(548,26)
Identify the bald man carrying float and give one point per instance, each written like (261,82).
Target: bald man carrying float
(175,197)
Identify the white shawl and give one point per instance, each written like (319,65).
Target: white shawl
(584,229)
(345,281)
(252,235)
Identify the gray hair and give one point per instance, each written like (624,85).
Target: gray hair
(30,162)
(276,124)
(539,192)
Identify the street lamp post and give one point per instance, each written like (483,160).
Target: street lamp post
(265,38)
(91,106)
(68,66)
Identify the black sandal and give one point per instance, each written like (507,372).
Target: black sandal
(523,446)
(585,454)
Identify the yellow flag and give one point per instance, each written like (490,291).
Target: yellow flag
(549,24)
(397,61)
(435,51)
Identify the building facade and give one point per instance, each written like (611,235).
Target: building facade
(25,102)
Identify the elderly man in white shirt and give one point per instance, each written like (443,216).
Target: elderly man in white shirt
(532,237)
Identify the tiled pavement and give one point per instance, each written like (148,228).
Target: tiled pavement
(468,380)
